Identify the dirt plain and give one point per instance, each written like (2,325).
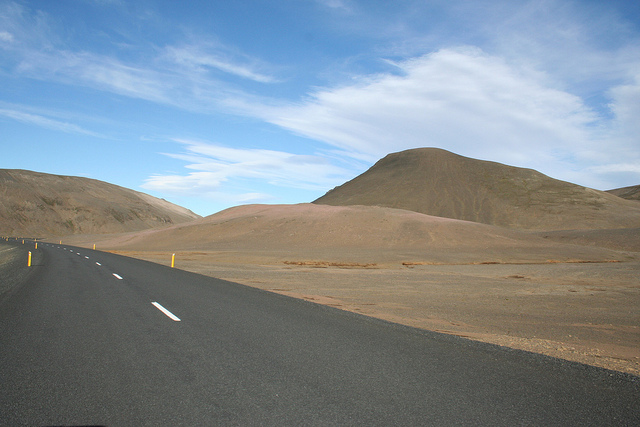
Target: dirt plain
(578,301)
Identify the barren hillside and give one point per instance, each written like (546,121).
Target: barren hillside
(363,234)
(629,193)
(437,182)
(38,204)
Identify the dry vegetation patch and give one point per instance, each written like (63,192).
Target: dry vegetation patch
(325,264)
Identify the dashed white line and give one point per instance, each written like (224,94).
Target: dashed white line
(86,257)
(117,277)
(169,314)
(97,263)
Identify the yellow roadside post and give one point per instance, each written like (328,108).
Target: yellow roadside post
(94,246)
(36,245)
(173,260)
(29,262)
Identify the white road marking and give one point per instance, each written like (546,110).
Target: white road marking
(86,257)
(98,263)
(117,277)
(169,314)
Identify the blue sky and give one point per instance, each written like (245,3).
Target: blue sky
(212,104)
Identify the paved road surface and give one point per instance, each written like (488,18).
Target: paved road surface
(81,343)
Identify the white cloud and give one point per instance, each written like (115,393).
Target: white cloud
(525,103)
(6,36)
(458,99)
(579,44)
(47,123)
(215,165)
(106,2)
(22,28)
(37,53)
(335,4)
(626,107)
(618,168)
(198,59)
(159,81)
(183,76)
(473,104)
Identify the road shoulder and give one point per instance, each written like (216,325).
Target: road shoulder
(13,267)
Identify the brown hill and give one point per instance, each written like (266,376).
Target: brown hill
(39,204)
(629,193)
(436,182)
(363,234)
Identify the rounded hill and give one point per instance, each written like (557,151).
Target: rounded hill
(366,234)
(38,204)
(437,182)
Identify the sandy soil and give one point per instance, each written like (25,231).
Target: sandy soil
(585,312)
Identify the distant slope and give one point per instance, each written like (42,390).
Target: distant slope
(437,182)
(38,204)
(629,193)
(345,234)
(622,239)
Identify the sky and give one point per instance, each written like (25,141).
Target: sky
(213,104)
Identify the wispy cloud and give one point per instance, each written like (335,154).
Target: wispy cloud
(200,76)
(215,165)
(47,123)
(6,36)
(625,104)
(22,28)
(462,99)
(336,4)
(105,2)
(471,103)
(198,58)
(176,80)
(544,84)
(574,43)
(98,72)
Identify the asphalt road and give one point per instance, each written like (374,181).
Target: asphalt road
(82,344)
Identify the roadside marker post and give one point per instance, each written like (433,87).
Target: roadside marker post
(94,246)
(173,260)
(29,262)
